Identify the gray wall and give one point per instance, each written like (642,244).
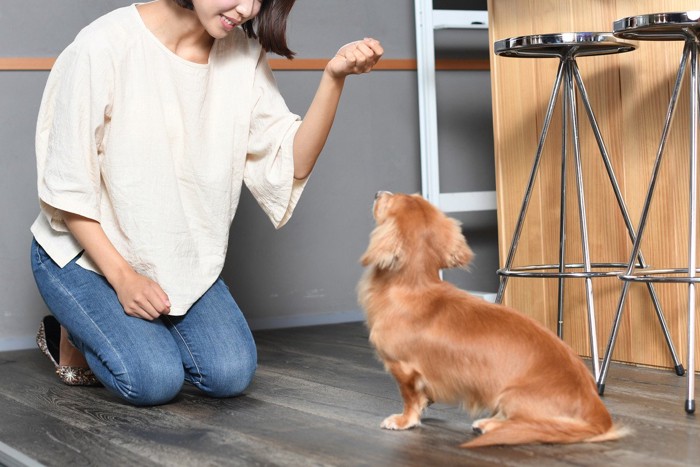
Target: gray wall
(305,273)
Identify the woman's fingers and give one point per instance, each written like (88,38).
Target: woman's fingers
(143,298)
(357,57)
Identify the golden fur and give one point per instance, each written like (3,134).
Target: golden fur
(443,344)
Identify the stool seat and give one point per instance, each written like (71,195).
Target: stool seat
(658,26)
(561,44)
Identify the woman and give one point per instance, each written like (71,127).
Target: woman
(151,121)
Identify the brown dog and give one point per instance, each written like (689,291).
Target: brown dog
(443,344)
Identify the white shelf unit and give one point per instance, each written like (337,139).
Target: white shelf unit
(428,20)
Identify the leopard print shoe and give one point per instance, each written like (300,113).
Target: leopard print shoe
(48,339)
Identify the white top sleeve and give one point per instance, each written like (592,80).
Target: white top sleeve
(269,169)
(69,139)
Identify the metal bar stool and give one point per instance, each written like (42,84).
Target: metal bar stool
(668,27)
(567,47)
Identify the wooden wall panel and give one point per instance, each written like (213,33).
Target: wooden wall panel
(629,93)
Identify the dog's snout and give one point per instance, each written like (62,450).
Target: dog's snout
(380,200)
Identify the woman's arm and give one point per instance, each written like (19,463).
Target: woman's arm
(140,296)
(354,58)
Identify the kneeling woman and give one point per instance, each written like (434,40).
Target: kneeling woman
(151,121)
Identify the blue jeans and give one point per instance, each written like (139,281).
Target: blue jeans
(147,362)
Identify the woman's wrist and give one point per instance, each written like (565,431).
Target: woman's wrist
(332,76)
(117,274)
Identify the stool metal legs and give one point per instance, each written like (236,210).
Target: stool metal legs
(692,228)
(630,230)
(570,67)
(689,52)
(568,72)
(531,183)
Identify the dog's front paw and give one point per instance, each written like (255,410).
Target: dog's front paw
(399,421)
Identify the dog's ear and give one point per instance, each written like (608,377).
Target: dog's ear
(385,250)
(458,252)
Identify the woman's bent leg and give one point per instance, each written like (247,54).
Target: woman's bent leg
(216,345)
(136,359)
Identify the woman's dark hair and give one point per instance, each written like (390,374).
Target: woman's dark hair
(269,26)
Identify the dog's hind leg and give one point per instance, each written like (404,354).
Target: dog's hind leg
(524,431)
(412,387)
(485,425)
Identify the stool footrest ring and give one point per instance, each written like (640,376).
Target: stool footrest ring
(661,275)
(541,270)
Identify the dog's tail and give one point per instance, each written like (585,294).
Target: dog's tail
(559,431)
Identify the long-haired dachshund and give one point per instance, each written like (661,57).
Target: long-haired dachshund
(443,344)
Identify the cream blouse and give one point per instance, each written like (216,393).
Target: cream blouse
(156,148)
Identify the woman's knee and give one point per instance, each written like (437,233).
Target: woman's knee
(230,377)
(153,382)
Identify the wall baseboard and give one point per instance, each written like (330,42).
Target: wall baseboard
(305,319)
(8,344)
(256,324)
(317,319)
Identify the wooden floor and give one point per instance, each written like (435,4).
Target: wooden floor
(318,398)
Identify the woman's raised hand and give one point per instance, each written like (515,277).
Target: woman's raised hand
(355,58)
